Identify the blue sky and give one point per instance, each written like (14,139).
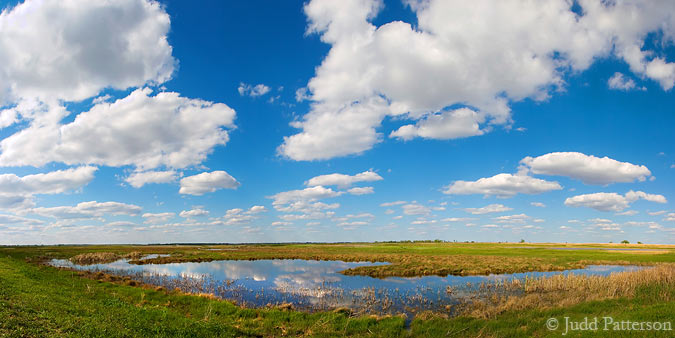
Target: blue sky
(258,121)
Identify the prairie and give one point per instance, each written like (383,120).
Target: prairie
(40,300)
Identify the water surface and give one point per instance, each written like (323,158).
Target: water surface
(317,285)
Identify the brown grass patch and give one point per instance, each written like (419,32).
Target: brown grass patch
(94,258)
(567,290)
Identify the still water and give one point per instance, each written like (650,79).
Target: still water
(317,285)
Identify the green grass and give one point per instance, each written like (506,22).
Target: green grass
(38,301)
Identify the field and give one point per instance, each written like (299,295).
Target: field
(38,300)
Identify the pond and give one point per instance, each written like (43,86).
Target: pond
(318,285)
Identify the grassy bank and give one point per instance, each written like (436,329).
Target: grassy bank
(37,301)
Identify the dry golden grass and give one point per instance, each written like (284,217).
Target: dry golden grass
(567,290)
(94,258)
(103,257)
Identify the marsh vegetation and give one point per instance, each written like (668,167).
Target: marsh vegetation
(40,300)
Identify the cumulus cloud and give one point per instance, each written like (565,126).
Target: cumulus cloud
(240,216)
(207,182)
(194,212)
(6,219)
(457,219)
(252,90)
(670,217)
(620,82)
(342,180)
(280,223)
(502,185)
(121,224)
(256,209)
(139,179)
(586,168)
(17,192)
(141,130)
(53,182)
(307,194)
(88,210)
(415,209)
(628,213)
(306,202)
(150,218)
(492,208)
(603,201)
(87,47)
(519,218)
(446,125)
(361,190)
(538,204)
(391,204)
(451,58)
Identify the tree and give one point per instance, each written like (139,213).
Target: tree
(625,242)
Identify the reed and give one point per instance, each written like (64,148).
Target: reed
(568,290)
(94,258)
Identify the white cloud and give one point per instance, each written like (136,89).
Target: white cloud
(252,90)
(342,180)
(457,219)
(633,196)
(600,220)
(415,209)
(628,213)
(307,194)
(301,94)
(139,179)
(239,216)
(194,212)
(16,202)
(17,192)
(121,224)
(620,82)
(452,58)
(54,182)
(281,223)
(352,216)
(520,218)
(361,190)
(207,182)
(6,219)
(488,209)
(502,185)
(163,217)
(256,209)
(538,204)
(656,213)
(306,202)
(391,204)
(670,217)
(587,168)
(446,125)
(88,210)
(70,50)
(603,201)
(352,225)
(140,130)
